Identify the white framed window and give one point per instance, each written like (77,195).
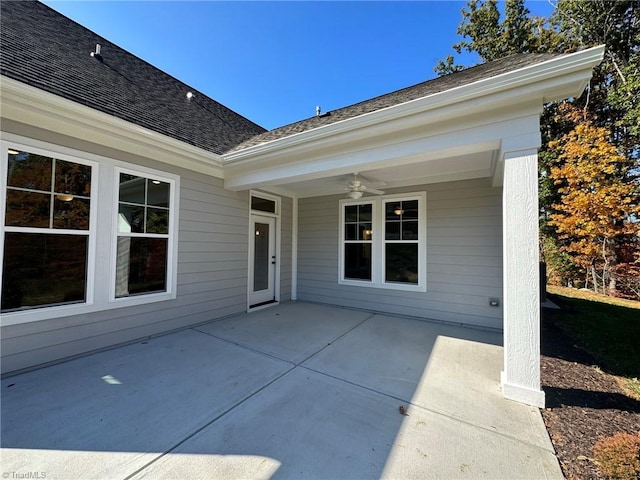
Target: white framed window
(48,218)
(358,242)
(383,242)
(81,232)
(143,240)
(264,203)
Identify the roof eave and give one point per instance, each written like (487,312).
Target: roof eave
(32,106)
(551,80)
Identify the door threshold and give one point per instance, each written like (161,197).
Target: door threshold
(262,305)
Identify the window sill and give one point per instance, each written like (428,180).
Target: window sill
(383,286)
(49,313)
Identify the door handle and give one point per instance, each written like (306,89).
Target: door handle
(273,260)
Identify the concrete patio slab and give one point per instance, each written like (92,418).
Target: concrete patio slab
(431,445)
(190,405)
(392,352)
(108,414)
(292,331)
(310,426)
(447,369)
(462,380)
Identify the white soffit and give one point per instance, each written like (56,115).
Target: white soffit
(464,167)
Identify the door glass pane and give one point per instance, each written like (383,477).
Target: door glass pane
(141,265)
(401,262)
(357,261)
(263,205)
(43,269)
(261,257)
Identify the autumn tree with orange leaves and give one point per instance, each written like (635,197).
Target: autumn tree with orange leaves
(599,201)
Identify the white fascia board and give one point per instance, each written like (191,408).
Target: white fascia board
(446,139)
(557,78)
(30,105)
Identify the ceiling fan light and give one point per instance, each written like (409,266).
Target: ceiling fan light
(354,194)
(65,197)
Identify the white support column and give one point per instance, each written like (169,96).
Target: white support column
(294,250)
(521,375)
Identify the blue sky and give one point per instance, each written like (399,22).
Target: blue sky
(273,62)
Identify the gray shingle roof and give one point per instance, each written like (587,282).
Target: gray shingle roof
(45,49)
(430,87)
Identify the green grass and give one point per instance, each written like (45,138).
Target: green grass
(607,328)
(632,385)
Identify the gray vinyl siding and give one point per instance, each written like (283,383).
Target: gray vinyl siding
(286,215)
(212,272)
(464,257)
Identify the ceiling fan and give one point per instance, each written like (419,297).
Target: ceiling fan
(355,188)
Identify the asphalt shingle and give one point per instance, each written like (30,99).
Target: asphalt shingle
(45,49)
(424,89)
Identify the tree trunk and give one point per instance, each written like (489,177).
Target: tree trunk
(605,266)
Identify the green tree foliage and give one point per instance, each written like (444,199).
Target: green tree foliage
(612,101)
(484,33)
(597,200)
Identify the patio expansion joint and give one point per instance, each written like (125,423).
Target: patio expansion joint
(245,347)
(275,357)
(209,423)
(431,410)
(299,364)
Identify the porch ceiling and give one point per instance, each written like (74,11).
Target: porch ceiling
(460,133)
(419,170)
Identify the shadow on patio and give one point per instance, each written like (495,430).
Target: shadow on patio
(295,391)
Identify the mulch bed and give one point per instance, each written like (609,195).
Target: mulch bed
(583,403)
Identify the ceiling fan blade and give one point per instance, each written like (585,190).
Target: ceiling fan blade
(372,183)
(357,185)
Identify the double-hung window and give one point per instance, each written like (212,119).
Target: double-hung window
(47,230)
(358,241)
(401,242)
(142,252)
(383,242)
(82,233)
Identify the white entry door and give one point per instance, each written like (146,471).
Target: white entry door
(262,260)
